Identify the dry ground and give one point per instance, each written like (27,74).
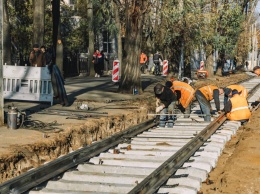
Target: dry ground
(237,171)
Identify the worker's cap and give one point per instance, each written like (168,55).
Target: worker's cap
(227,91)
(168,84)
(36,46)
(158,89)
(234,92)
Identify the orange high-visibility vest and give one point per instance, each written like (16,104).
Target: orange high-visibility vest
(240,109)
(207,91)
(239,88)
(187,92)
(257,71)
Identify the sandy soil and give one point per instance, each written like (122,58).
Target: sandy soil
(238,168)
(237,171)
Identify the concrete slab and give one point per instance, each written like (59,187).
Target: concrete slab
(194,172)
(178,189)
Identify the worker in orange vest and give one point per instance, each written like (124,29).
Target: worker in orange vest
(237,109)
(185,94)
(143,60)
(257,71)
(204,95)
(228,91)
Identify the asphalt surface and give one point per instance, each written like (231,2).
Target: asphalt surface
(90,91)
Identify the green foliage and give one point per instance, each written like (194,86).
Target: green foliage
(196,23)
(21,17)
(229,27)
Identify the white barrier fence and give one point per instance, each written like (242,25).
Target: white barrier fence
(27,83)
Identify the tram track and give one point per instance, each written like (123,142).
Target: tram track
(143,159)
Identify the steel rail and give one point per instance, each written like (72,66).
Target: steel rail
(151,183)
(34,177)
(252,91)
(158,177)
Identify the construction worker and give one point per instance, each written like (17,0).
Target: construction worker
(143,60)
(228,91)
(204,95)
(165,99)
(256,70)
(236,108)
(185,94)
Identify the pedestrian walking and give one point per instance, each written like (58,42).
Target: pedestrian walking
(157,58)
(102,62)
(150,63)
(47,55)
(37,58)
(143,60)
(96,61)
(247,65)
(234,63)
(204,95)
(226,68)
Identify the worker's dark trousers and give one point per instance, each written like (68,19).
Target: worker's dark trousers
(204,105)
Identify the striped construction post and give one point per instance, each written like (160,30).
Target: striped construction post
(115,72)
(165,68)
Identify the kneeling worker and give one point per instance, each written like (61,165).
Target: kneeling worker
(184,93)
(236,108)
(228,91)
(165,99)
(204,95)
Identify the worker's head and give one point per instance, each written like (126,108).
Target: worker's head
(221,91)
(168,84)
(36,47)
(234,92)
(158,89)
(227,92)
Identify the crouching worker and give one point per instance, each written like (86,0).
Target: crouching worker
(237,108)
(204,95)
(184,93)
(165,100)
(228,91)
(256,70)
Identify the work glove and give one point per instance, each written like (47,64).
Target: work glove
(158,109)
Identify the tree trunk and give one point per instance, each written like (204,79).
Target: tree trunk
(55,23)
(119,37)
(1,65)
(6,36)
(38,21)
(91,38)
(210,63)
(131,74)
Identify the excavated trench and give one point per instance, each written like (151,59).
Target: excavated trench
(23,158)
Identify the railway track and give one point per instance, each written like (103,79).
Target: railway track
(143,159)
